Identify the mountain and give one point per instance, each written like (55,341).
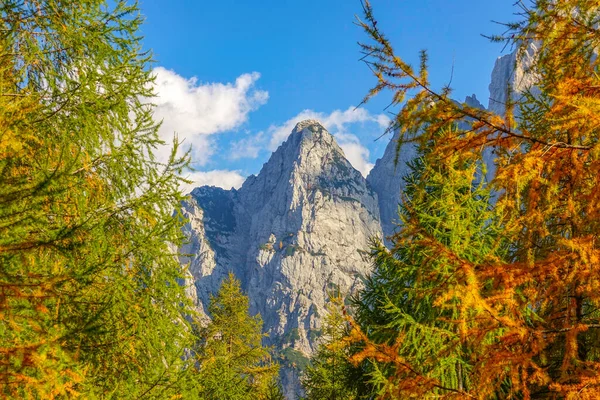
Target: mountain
(292,235)
(298,230)
(387,180)
(511,70)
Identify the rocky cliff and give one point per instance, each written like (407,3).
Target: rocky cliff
(511,70)
(292,234)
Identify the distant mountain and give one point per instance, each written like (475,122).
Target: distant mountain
(511,69)
(299,229)
(291,234)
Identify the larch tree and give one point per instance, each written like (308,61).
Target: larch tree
(90,303)
(233,363)
(544,296)
(415,308)
(273,391)
(330,373)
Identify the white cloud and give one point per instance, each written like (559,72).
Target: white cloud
(225,179)
(195,110)
(383,120)
(338,124)
(247,148)
(356,153)
(202,146)
(280,132)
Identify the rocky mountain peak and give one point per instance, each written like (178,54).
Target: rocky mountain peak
(310,125)
(308,159)
(292,234)
(512,70)
(472,101)
(298,230)
(308,134)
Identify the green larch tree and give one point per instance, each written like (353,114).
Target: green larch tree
(330,373)
(90,303)
(544,297)
(417,306)
(233,363)
(273,391)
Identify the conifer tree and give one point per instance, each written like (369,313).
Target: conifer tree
(233,362)
(540,304)
(89,298)
(273,391)
(410,306)
(329,375)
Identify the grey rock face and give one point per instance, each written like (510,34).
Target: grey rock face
(209,229)
(511,70)
(387,180)
(290,234)
(306,218)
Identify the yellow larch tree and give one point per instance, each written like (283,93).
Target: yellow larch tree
(541,301)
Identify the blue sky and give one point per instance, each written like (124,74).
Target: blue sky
(233,77)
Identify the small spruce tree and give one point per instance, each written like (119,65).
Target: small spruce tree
(329,374)
(233,363)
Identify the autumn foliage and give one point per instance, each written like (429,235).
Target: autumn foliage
(526,321)
(89,288)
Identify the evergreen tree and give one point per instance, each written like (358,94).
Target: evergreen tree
(541,303)
(328,377)
(233,362)
(273,391)
(414,304)
(89,299)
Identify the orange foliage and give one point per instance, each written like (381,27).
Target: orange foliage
(545,297)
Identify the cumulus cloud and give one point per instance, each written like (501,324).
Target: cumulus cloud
(338,123)
(356,153)
(193,110)
(225,179)
(202,147)
(247,148)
